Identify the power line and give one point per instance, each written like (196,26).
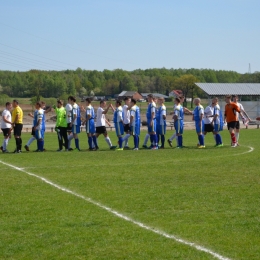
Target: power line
(36,55)
(19,58)
(93,54)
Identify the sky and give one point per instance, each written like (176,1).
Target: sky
(130,34)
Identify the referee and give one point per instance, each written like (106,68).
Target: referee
(61,125)
(17,122)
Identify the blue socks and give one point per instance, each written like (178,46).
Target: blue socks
(179,141)
(77,143)
(201,140)
(120,140)
(95,140)
(136,141)
(218,139)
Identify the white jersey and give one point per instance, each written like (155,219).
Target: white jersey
(209,111)
(126,115)
(68,112)
(217,112)
(241,109)
(6,113)
(100,117)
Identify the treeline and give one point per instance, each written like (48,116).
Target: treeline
(85,82)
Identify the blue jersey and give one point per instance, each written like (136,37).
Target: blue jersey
(150,109)
(35,117)
(197,112)
(90,111)
(118,114)
(161,114)
(135,126)
(38,115)
(219,119)
(157,115)
(76,112)
(178,111)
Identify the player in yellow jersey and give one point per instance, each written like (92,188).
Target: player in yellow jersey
(17,122)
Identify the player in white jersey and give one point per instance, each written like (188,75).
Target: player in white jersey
(6,126)
(75,123)
(186,110)
(208,119)
(101,123)
(126,121)
(245,116)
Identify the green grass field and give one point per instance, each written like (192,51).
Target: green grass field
(209,197)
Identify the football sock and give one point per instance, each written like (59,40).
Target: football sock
(5,143)
(77,143)
(172,137)
(146,139)
(162,140)
(95,140)
(233,138)
(108,141)
(90,142)
(40,145)
(158,138)
(155,140)
(17,143)
(30,140)
(125,138)
(219,139)
(180,140)
(215,138)
(136,141)
(237,136)
(201,140)
(120,140)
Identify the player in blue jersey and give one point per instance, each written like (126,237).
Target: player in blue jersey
(39,126)
(218,122)
(178,121)
(118,122)
(151,121)
(135,123)
(198,114)
(90,125)
(161,122)
(75,123)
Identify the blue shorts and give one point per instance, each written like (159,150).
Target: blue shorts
(218,127)
(199,127)
(178,125)
(39,134)
(75,129)
(161,129)
(135,129)
(90,127)
(153,127)
(119,128)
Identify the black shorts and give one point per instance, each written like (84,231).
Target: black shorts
(238,125)
(208,128)
(6,131)
(69,127)
(101,130)
(127,128)
(33,132)
(233,124)
(18,129)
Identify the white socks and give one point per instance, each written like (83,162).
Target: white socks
(30,140)
(172,137)
(146,139)
(108,141)
(237,136)
(5,143)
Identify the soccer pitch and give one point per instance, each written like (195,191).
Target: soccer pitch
(149,204)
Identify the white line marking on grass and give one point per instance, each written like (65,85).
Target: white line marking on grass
(251,149)
(157,231)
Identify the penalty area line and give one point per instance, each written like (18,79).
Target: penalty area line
(122,216)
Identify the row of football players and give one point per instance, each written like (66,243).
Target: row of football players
(127,120)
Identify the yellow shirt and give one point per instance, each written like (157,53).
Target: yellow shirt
(17,111)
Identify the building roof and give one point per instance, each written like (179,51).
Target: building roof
(222,89)
(155,94)
(127,93)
